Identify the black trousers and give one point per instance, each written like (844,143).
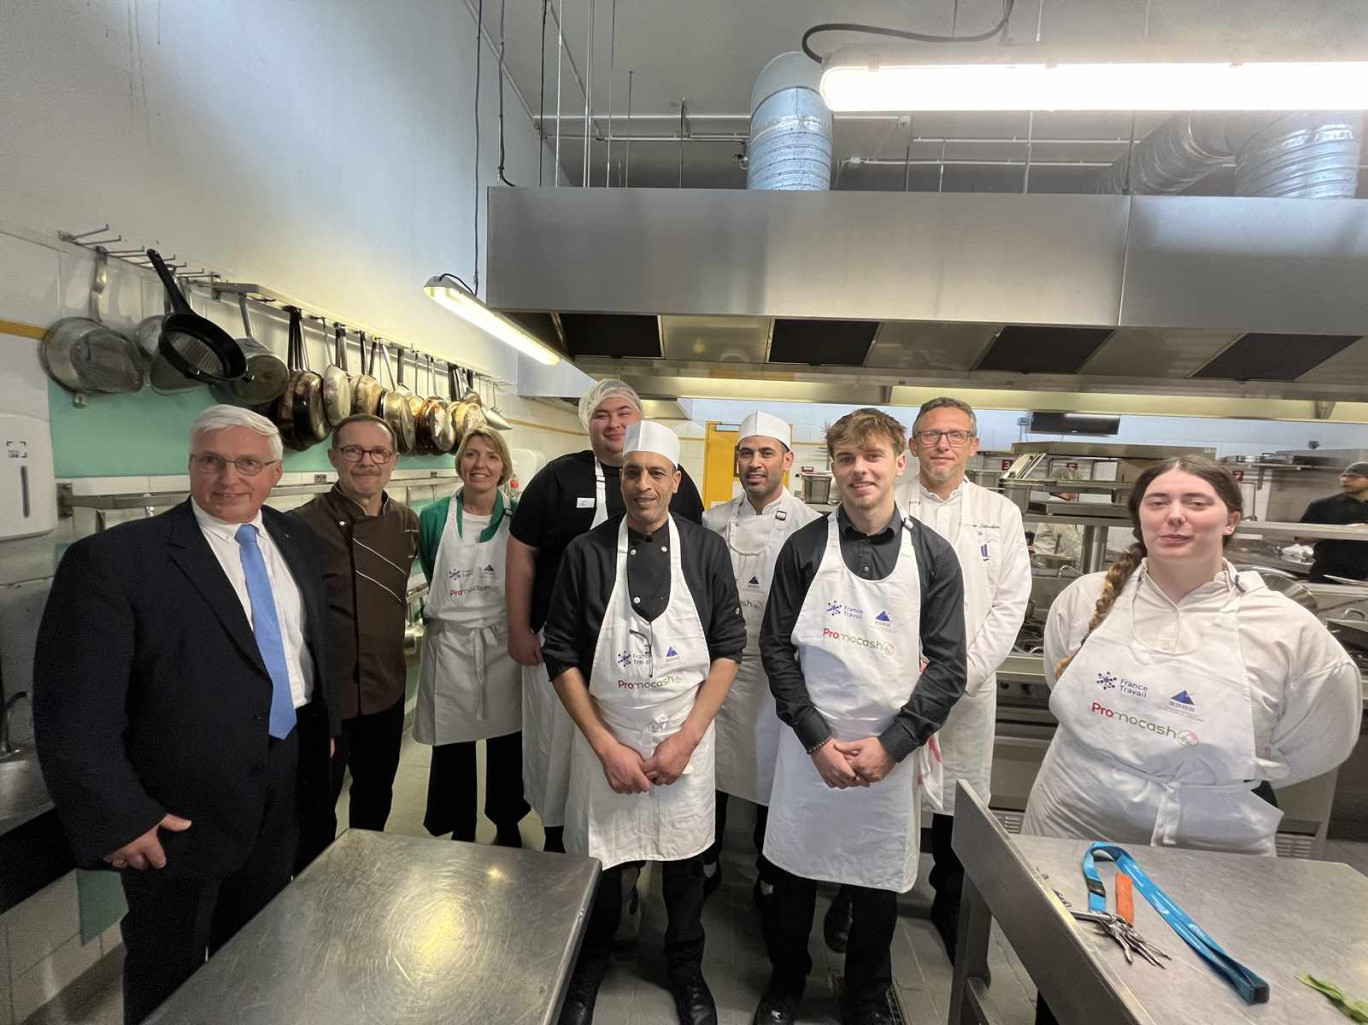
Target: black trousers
(682,882)
(711,855)
(369,746)
(173,923)
(947,874)
(453,789)
(869,958)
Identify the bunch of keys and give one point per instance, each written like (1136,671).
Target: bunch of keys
(1121,925)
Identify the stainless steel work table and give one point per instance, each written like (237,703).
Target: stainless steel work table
(388,928)
(1277,916)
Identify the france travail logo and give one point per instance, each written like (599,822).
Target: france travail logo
(1107,681)
(624,659)
(834,607)
(1182,698)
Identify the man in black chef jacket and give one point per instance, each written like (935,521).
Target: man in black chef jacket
(643,640)
(863,643)
(563,500)
(1350,506)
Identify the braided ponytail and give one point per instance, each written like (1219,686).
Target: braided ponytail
(1112,586)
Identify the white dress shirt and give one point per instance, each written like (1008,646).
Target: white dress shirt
(942,515)
(1306,693)
(222,538)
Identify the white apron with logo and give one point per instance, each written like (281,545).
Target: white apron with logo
(748,726)
(468,684)
(1155,748)
(548,730)
(966,739)
(859,646)
(644,681)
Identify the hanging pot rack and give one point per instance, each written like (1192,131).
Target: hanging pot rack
(266,299)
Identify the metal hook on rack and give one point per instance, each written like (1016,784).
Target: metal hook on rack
(68,236)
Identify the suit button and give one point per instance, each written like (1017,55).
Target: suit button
(258,717)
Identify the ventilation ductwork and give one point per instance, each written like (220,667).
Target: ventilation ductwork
(790,135)
(1300,156)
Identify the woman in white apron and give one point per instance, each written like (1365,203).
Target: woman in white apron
(469,687)
(1185,688)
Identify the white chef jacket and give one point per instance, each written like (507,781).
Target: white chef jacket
(289,603)
(1306,693)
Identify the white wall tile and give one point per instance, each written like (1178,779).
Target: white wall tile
(111,939)
(28,282)
(45,980)
(40,925)
(23,381)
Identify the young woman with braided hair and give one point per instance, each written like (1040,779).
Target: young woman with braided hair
(1184,687)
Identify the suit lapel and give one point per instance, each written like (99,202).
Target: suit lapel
(191,552)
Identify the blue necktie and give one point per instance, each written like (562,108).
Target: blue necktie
(267,628)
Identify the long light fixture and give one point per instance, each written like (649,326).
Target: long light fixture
(451,292)
(1039,76)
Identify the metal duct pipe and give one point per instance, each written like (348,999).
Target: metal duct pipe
(790,137)
(1303,155)
(1307,155)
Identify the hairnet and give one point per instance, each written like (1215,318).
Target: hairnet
(606,389)
(1359,468)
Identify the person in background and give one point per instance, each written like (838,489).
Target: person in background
(370,540)
(642,641)
(469,687)
(1062,539)
(1183,687)
(1350,506)
(986,531)
(182,705)
(567,497)
(755,526)
(863,643)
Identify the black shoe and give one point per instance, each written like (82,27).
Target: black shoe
(582,993)
(836,924)
(510,837)
(694,1001)
(868,1012)
(774,1010)
(711,882)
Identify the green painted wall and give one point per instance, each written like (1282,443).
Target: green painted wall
(145,434)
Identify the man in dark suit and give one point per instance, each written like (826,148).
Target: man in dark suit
(179,705)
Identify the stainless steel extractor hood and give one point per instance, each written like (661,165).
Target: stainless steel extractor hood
(871,292)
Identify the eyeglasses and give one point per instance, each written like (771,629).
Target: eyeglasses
(353,453)
(213,463)
(932,438)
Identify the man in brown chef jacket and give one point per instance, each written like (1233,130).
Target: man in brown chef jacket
(370,541)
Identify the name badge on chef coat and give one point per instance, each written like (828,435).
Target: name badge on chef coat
(584,503)
(781,514)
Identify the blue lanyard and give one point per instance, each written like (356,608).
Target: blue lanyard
(1252,988)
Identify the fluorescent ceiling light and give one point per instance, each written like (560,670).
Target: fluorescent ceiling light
(1043,77)
(451,292)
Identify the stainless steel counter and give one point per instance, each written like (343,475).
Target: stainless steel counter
(1278,916)
(389,928)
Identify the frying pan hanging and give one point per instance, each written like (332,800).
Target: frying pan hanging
(197,347)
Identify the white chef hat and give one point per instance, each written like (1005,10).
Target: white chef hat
(606,389)
(649,436)
(766,425)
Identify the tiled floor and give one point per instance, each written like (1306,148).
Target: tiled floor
(735,963)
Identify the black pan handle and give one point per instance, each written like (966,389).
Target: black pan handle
(340,347)
(178,302)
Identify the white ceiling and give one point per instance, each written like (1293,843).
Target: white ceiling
(709,52)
